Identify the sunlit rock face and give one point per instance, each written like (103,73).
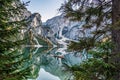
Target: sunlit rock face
(52,28)
(56,28)
(34,23)
(59,27)
(33,27)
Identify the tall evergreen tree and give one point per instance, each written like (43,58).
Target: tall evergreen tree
(9,25)
(12,60)
(104,16)
(116,35)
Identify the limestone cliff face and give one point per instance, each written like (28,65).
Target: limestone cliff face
(32,29)
(54,29)
(34,23)
(59,27)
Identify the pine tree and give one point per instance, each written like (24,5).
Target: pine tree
(12,60)
(104,16)
(115,36)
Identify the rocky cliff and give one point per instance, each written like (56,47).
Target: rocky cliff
(59,28)
(33,27)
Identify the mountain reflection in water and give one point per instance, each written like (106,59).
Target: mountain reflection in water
(50,64)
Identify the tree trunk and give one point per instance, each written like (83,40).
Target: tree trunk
(116,36)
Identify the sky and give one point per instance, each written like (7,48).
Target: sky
(47,8)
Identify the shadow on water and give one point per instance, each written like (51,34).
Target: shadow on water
(50,63)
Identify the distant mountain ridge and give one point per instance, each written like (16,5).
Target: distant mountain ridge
(55,30)
(33,27)
(59,27)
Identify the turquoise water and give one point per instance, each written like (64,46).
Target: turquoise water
(51,63)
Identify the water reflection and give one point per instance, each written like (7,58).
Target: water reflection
(52,63)
(43,75)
